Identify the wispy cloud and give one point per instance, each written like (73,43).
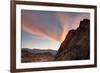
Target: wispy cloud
(32,24)
(53,26)
(63,21)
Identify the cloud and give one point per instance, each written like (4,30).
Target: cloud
(63,21)
(31,24)
(53,26)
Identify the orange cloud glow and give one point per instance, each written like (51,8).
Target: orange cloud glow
(35,29)
(63,21)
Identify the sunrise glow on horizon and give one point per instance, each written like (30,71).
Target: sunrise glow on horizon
(47,29)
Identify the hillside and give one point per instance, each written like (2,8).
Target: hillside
(76,45)
(37,55)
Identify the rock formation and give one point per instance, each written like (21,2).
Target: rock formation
(76,45)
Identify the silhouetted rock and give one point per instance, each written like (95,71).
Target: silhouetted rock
(76,45)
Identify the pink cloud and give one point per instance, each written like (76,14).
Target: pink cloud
(34,27)
(63,21)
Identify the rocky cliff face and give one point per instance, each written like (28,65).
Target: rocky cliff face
(76,45)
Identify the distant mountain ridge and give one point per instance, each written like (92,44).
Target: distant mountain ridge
(37,55)
(35,51)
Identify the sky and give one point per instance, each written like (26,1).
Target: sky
(47,29)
